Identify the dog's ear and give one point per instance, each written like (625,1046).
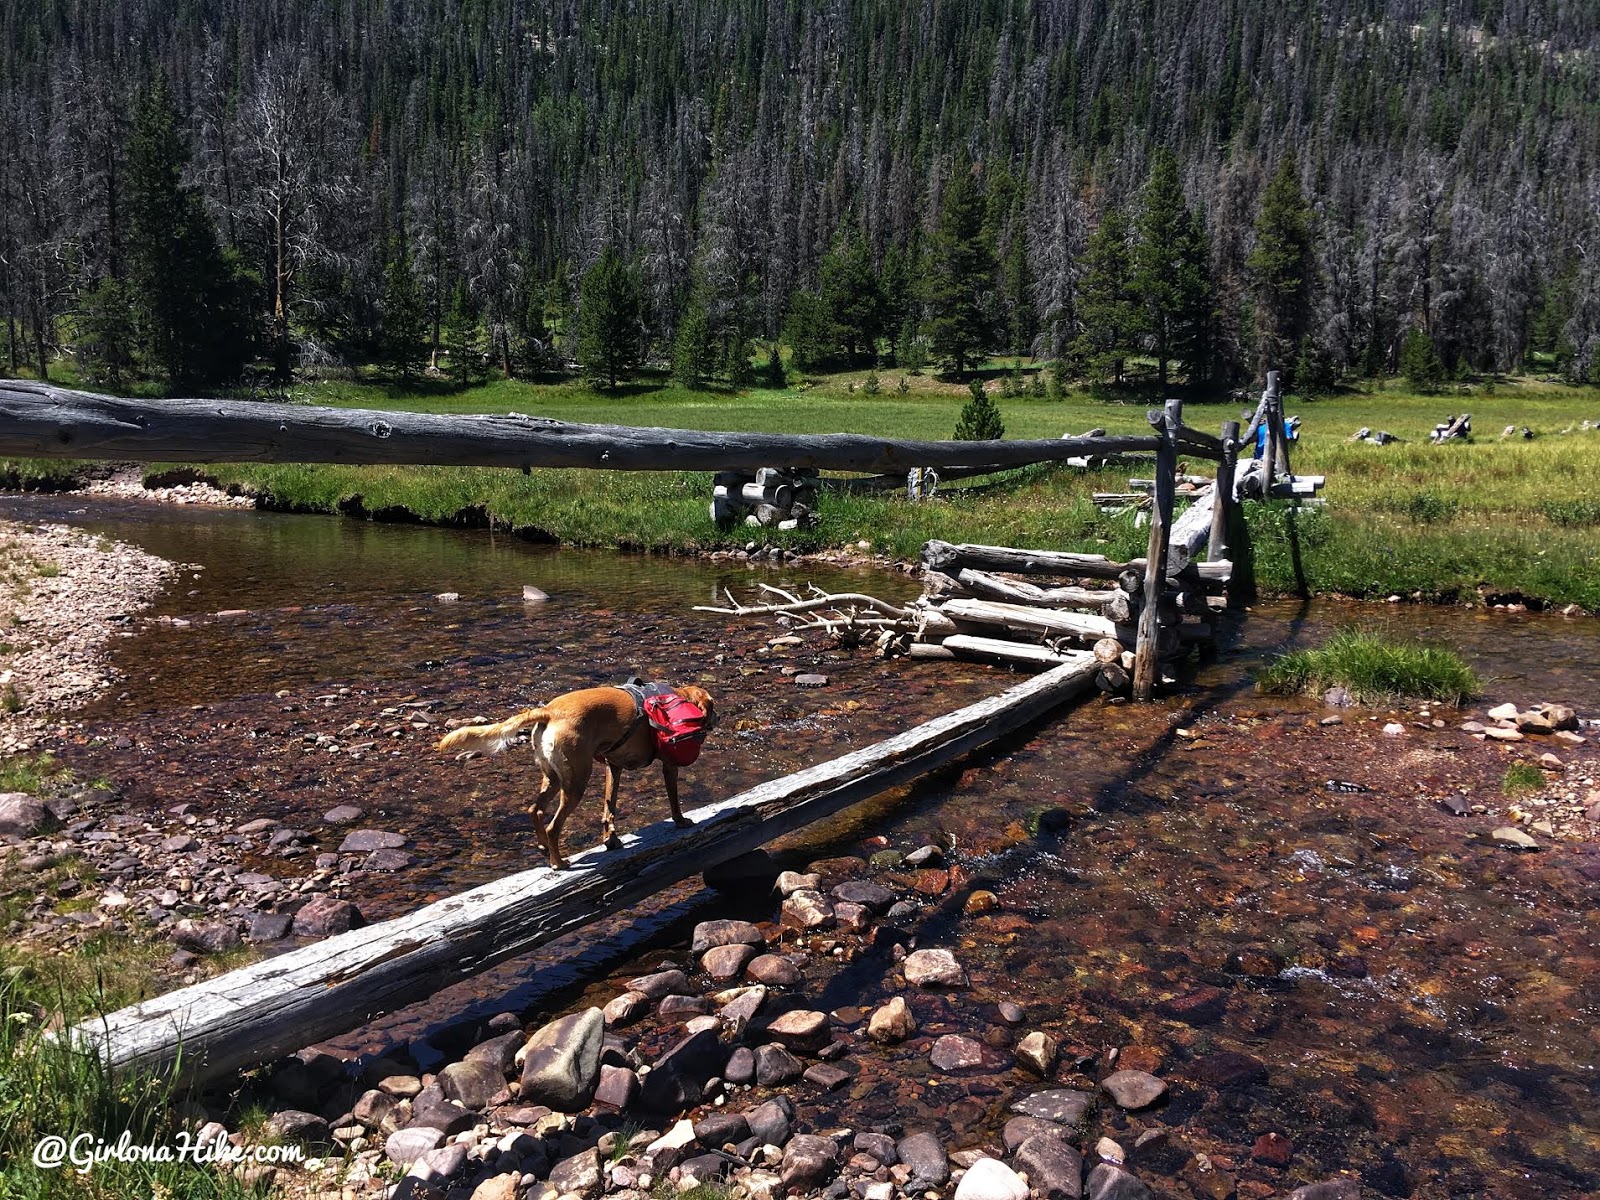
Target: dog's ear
(701,699)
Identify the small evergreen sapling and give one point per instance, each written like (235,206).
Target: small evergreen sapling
(980,417)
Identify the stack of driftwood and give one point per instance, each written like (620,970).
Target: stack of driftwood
(777,496)
(1071,607)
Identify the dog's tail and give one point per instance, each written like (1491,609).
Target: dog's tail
(491,739)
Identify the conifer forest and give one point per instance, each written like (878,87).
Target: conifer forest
(1182,192)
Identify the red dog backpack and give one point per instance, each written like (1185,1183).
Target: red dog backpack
(679,727)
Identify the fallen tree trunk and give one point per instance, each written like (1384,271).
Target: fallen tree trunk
(41,421)
(282,1004)
(949,559)
(966,645)
(981,583)
(1035,622)
(1190,532)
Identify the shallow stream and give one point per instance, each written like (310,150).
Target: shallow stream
(1360,972)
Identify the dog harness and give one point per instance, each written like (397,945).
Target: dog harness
(679,725)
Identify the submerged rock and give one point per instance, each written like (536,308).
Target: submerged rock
(934,969)
(991,1179)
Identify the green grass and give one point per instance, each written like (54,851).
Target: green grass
(1373,668)
(1522,778)
(30,772)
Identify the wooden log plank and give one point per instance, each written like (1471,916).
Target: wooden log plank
(1035,622)
(42,421)
(949,559)
(967,645)
(274,1007)
(1013,591)
(1222,509)
(1190,532)
(1147,649)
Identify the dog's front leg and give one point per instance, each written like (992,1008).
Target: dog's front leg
(669,776)
(608,812)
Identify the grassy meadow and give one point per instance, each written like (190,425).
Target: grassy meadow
(1449,522)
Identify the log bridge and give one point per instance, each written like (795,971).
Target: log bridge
(1157,604)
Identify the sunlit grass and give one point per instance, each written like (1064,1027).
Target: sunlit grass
(1373,668)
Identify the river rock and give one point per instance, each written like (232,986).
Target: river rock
(1273,1149)
(774,970)
(472,1084)
(893,1022)
(386,860)
(1534,722)
(1019,1129)
(790,882)
(1510,835)
(933,969)
(1108,1182)
(677,1080)
(618,1086)
(561,1066)
(771,1122)
(440,1164)
(1503,712)
(1053,1168)
(864,892)
(404,1146)
(720,1129)
(952,1052)
(1501,733)
(827,1076)
(1037,1052)
(805,910)
(741,1068)
(924,1153)
(809,1162)
(291,1125)
(1198,1006)
(206,937)
(810,680)
(177,844)
(373,1108)
(433,1110)
(1064,1106)
(724,933)
(775,1065)
(683,1006)
(578,1175)
(497,1187)
(626,1008)
(364,841)
(742,1009)
(991,1179)
(270,927)
(21,815)
(726,962)
(662,983)
(323,916)
(500,1051)
(343,814)
(1134,1090)
(1328,1189)
(851,918)
(668,1150)
(800,1029)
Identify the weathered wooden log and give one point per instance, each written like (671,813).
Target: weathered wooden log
(930,650)
(1222,509)
(1130,580)
(952,559)
(1190,532)
(281,1004)
(43,421)
(1147,648)
(932,624)
(1035,622)
(966,645)
(936,585)
(981,583)
(1108,650)
(1121,608)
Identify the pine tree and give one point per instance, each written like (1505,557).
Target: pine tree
(1107,307)
(808,330)
(852,296)
(1282,268)
(1419,361)
(403,329)
(961,272)
(193,299)
(693,352)
(980,417)
(1022,315)
(610,318)
(107,333)
(1170,280)
(461,341)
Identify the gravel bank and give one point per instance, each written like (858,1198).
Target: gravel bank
(64,595)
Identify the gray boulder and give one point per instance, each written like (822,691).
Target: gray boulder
(562,1065)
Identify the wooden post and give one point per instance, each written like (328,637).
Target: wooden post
(1148,652)
(1222,506)
(1273,416)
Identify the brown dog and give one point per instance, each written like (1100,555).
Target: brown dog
(569,735)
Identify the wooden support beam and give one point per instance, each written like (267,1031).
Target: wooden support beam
(271,1008)
(947,559)
(1012,591)
(1034,622)
(1190,532)
(1222,509)
(966,645)
(41,421)
(1147,652)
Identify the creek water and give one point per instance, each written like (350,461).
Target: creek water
(1358,972)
